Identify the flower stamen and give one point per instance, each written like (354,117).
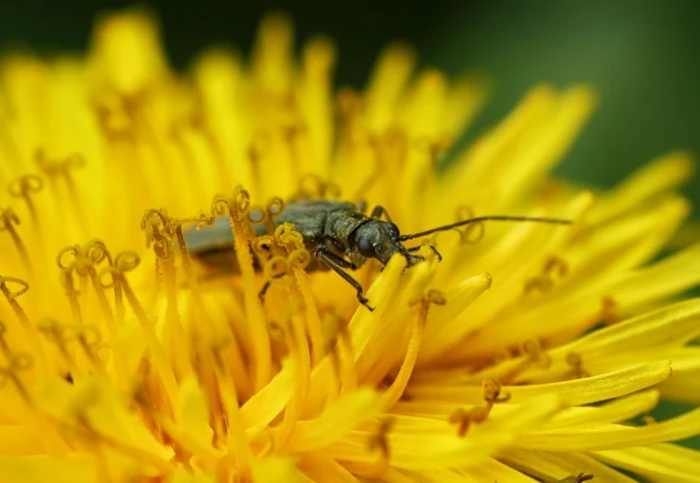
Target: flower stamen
(8,218)
(492,392)
(84,429)
(4,346)
(554,268)
(57,334)
(22,316)
(580,478)
(299,349)
(22,187)
(478,414)
(467,232)
(125,262)
(339,348)
(534,355)
(379,442)
(84,264)
(297,261)
(17,362)
(314,187)
(237,208)
(398,386)
(465,418)
(61,168)
(576,362)
(607,313)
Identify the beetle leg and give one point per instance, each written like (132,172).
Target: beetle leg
(329,260)
(435,251)
(338,260)
(263,291)
(378,211)
(265,288)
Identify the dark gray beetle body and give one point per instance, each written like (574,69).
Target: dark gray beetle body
(338,235)
(336,226)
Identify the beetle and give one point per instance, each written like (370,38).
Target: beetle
(337,234)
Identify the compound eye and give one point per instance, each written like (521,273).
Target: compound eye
(365,247)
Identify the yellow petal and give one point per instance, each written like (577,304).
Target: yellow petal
(546,465)
(388,79)
(447,326)
(666,278)
(659,462)
(670,326)
(336,421)
(108,416)
(615,436)
(128,48)
(275,469)
(267,403)
(183,475)
(319,467)
(682,387)
(41,468)
(193,414)
(621,409)
(577,391)
(659,176)
(417,450)
(435,475)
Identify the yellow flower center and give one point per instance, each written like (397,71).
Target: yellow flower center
(126,357)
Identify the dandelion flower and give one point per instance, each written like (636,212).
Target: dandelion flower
(123,359)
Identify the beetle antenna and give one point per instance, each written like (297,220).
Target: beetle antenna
(479,219)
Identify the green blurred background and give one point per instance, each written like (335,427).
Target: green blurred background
(641,55)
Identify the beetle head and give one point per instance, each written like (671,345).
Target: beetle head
(378,239)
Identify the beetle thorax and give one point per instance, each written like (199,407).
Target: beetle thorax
(340,225)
